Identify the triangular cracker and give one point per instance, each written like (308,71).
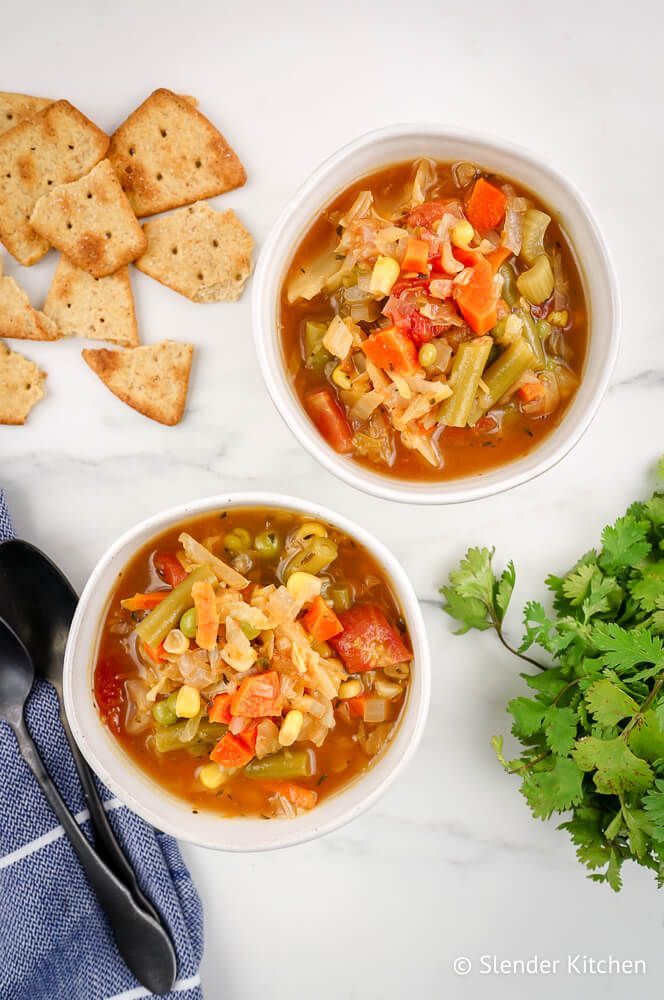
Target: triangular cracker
(91,222)
(96,308)
(203,254)
(15,108)
(21,386)
(153,379)
(168,154)
(53,147)
(18,319)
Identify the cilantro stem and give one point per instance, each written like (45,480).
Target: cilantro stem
(643,708)
(531,763)
(499,632)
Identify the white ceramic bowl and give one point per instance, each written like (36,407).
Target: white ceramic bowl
(156,804)
(405,142)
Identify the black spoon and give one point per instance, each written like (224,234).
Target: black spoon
(38,602)
(139,938)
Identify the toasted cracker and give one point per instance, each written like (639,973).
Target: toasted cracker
(153,379)
(96,308)
(168,154)
(91,222)
(18,319)
(54,147)
(21,386)
(203,254)
(16,108)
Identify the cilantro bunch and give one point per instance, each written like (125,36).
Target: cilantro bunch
(591,727)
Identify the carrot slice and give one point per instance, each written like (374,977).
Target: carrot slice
(231,751)
(416,257)
(257,696)
(530,391)
(498,257)
(144,602)
(207,615)
(220,709)
(356,705)
(391,349)
(477,300)
(303,798)
(486,205)
(321,621)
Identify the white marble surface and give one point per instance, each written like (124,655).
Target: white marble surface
(450,862)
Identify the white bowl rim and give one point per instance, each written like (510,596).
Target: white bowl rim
(385,487)
(280,833)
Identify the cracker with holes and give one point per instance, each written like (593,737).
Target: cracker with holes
(21,386)
(56,146)
(18,320)
(153,379)
(96,308)
(203,254)
(91,222)
(17,108)
(168,154)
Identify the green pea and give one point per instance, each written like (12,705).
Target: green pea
(267,545)
(341,596)
(249,630)
(237,540)
(189,623)
(163,712)
(428,355)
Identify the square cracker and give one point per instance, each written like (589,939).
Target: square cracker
(18,319)
(16,108)
(91,221)
(153,379)
(97,308)
(203,254)
(54,147)
(168,154)
(21,386)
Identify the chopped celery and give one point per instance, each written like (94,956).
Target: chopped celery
(314,556)
(535,224)
(157,624)
(532,338)
(501,376)
(469,363)
(316,357)
(536,284)
(509,292)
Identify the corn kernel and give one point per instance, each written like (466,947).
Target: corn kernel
(212,776)
(385,272)
(303,586)
(350,689)
(290,727)
(462,234)
(387,689)
(560,317)
(188,702)
(176,642)
(341,378)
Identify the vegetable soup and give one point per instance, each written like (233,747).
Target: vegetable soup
(253,661)
(433,321)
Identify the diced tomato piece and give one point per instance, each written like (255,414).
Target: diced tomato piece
(530,391)
(416,258)
(466,256)
(330,420)
(249,736)
(486,205)
(231,751)
(109,691)
(368,641)
(356,705)
(220,709)
(408,283)
(427,214)
(169,568)
(257,696)
(392,350)
(476,300)
(421,330)
(321,621)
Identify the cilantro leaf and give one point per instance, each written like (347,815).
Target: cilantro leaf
(649,587)
(468,611)
(608,704)
(554,790)
(503,590)
(617,769)
(653,805)
(560,729)
(540,629)
(622,649)
(576,584)
(625,544)
(528,716)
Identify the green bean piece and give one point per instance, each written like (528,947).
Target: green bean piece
(535,224)
(283,765)
(510,292)
(189,623)
(314,556)
(170,738)
(341,596)
(163,712)
(158,623)
(502,375)
(469,363)
(238,540)
(316,356)
(532,338)
(249,630)
(267,545)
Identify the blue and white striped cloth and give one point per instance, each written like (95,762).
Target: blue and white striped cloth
(54,939)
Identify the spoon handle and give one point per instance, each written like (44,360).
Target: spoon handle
(141,941)
(106,839)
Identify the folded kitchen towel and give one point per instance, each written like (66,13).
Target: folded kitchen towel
(55,941)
